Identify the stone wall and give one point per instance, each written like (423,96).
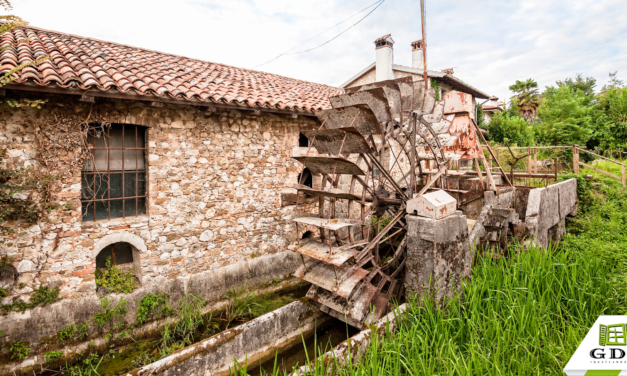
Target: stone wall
(214,181)
(547,209)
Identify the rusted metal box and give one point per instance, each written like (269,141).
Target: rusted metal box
(457,102)
(435,205)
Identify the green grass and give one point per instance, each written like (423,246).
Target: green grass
(520,315)
(607,166)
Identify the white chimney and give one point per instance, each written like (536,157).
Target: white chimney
(417,58)
(385,58)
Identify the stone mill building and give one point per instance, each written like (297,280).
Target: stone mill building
(184,177)
(178,169)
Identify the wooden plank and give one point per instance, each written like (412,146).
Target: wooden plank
(333,224)
(575,160)
(478,168)
(330,255)
(601,171)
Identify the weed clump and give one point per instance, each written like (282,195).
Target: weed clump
(19,350)
(51,356)
(148,307)
(43,296)
(113,279)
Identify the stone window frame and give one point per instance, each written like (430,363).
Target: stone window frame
(89,195)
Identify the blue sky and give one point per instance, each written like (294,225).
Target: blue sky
(490,43)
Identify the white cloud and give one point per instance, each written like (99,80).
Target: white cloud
(491,43)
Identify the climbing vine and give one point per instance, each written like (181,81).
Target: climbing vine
(436,84)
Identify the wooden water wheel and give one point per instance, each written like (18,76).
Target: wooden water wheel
(376,149)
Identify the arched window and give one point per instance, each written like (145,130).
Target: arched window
(120,253)
(303,141)
(306,178)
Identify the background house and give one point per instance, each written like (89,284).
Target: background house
(384,69)
(491,107)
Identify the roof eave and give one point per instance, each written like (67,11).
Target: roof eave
(114,94)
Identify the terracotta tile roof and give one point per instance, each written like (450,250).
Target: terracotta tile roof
(85,63)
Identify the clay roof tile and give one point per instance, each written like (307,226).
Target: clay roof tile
(90,63)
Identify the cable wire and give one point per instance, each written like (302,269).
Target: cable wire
(377,3)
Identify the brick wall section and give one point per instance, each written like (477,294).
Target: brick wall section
(214,180)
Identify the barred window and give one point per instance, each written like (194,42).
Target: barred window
(113,181)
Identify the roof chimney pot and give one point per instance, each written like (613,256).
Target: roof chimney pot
(384,48)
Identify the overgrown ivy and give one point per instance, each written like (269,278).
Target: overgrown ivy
(24,193)
(438,90)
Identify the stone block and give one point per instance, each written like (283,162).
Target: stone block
(438,255)
(436,205)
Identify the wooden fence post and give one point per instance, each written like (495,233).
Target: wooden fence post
(576,159)
(529,161)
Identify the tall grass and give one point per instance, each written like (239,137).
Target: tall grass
(520,315)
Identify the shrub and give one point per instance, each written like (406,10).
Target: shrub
(113,279)
(511,129)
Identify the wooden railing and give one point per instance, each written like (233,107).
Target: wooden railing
(532,170)
(577,163)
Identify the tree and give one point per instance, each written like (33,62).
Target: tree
(511,129)
(611,123)
(565,117)
(586,85)
(527,98)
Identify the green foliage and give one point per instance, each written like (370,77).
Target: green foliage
(3,292)
(67,333)
(611,124)
(481,117)
(190,317)
(85,367)
(585,85)
(565,117)
(148,307)
(43,296)
(4,261)
(511,129)
(438,90)
(53,355)
(19,350)
(239,309)
(82,331)
(113,279)
(109,313)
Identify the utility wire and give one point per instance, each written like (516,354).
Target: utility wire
(377,3)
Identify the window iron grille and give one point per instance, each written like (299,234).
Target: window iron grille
(113,180)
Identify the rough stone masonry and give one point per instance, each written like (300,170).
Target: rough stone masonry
(214,183)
